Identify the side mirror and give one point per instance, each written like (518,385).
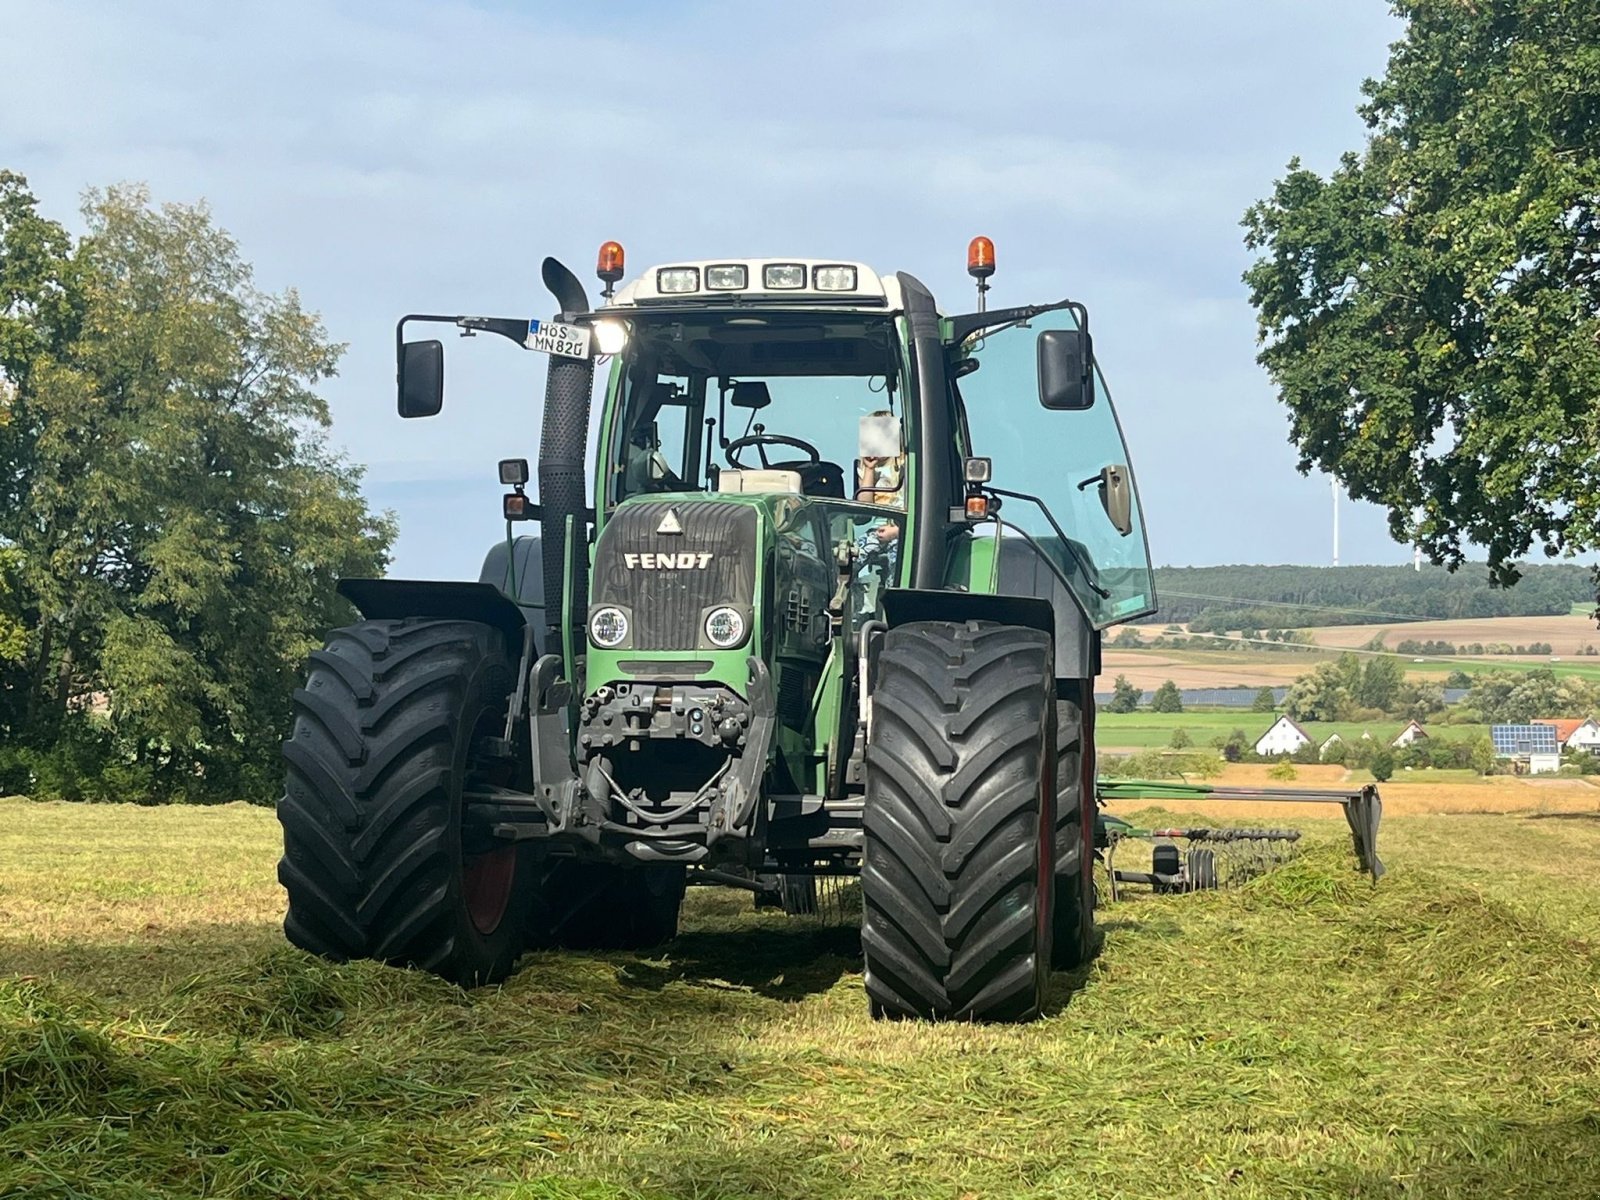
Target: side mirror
(421,378)
(1116,496)
(1066,370)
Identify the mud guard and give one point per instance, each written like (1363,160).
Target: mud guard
(396,599)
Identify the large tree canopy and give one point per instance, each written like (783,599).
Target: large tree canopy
(173,524)
(1431,311)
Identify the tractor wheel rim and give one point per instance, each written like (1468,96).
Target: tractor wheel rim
(486,881)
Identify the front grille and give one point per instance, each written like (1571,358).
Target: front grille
(668,603)
(665,668)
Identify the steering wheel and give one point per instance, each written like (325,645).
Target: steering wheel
(761,441)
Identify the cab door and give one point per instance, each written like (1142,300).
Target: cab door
(1081,511)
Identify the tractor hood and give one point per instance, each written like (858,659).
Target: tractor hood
(666,563)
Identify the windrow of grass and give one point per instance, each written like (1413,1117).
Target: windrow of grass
(1306,1034)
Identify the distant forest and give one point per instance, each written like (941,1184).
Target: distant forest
(1215,599)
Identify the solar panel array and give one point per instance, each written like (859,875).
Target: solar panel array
(1516,740)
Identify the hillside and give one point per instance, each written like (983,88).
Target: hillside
(1266,597)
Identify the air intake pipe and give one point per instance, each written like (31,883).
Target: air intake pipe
(562,444)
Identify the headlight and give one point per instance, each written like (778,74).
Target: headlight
(610,336)
(725,627)
(608,627)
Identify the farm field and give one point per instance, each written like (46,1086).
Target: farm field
(1305,1035)
(1241,668)
(1145,730)
(1567,634)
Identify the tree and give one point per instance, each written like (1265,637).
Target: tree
(1483,759)
(1380,682)
(1266,701)
(1321,694)
(1167,699)
(1505,698)
(179,523)
(1381,764)
(1124,696)
(1180,739)
(1430,312)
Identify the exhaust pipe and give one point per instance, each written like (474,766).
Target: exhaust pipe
(562,443)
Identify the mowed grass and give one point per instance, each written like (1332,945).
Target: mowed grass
(1306,1035)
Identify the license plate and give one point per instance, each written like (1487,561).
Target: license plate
(555,337)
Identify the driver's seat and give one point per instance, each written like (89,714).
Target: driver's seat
(824,479)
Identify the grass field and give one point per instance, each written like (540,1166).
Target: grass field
(1306,1035)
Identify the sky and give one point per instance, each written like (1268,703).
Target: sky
(411,157)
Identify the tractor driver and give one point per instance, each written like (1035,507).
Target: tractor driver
(880,479)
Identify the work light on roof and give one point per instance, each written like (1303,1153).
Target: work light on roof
(727,277)
(834,279)
(783,277)
(676,281)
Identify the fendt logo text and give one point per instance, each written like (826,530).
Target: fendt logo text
(666,562)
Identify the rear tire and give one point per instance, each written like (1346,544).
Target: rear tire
(959,846)
(374,858)
(1072,929)
(601,906)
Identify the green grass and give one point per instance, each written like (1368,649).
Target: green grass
(1146,730)
(1307,1035)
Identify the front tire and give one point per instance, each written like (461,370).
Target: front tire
(959,826)
(375,861)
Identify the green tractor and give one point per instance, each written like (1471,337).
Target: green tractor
(835,609)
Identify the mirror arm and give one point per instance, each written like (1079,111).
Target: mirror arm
(962,327)
(1066,543)
(513,329)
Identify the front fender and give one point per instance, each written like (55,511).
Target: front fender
(395,599)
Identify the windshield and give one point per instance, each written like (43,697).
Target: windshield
(813,394)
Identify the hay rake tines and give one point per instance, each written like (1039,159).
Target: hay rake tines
(1213,857)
